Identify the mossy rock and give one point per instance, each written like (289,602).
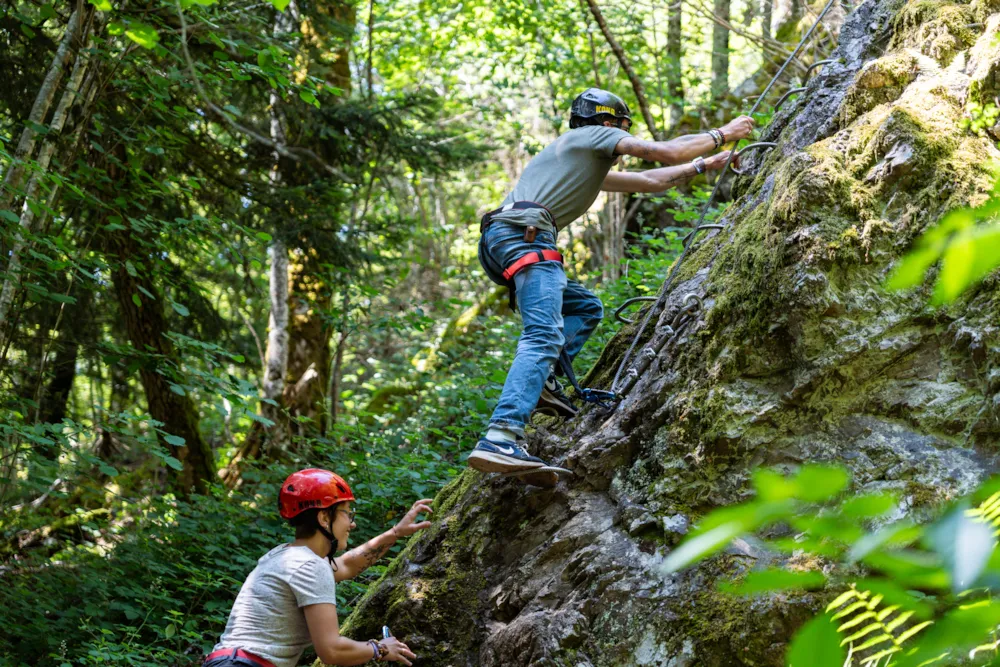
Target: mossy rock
(934,28)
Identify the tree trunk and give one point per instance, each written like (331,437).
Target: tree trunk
(276,365)
(675,83)
(309,342)
(795,354)
(637,87)
(43,101)
(147,328)
(27,219)
(720,52)
(75,328)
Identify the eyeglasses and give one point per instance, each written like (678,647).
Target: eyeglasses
(350,515)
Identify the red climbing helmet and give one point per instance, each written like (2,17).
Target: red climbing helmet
(311,488)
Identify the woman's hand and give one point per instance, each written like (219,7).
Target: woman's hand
(738,128)
(398,651)
(406,525)
(718,161)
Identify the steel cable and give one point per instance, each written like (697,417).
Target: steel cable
(704,211)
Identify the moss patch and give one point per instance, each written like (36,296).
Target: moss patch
(936,29)
(879,82)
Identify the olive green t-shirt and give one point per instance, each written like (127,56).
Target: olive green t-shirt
(565,177)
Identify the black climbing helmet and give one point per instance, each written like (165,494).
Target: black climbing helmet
(596,102)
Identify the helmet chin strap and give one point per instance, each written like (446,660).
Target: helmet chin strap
(328,535)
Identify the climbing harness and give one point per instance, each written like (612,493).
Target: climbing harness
(529,237)
(686,314)
(528,260)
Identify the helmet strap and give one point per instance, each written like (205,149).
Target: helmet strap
(328,535)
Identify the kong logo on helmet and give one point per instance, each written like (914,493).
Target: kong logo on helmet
(595,102)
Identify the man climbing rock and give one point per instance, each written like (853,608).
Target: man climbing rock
(517,248)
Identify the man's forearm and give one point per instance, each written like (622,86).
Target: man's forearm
(665,178)
(685,148)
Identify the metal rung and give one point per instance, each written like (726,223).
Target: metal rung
(690,236)
(635,299)
(760,145)
(818,63)
(781,100)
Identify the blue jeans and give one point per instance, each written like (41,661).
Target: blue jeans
(554,312)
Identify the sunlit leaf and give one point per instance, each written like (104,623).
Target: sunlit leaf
(816,644)
(101,5)
(280,5)
(775,579)
(965,545)
(720,527)
(771,485)
(971,256)
(818,482)
(867,506)
(701,546)
(897,534)
(142,34)
(911,568)
(912,268)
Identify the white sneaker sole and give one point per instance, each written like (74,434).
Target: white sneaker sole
(490,462)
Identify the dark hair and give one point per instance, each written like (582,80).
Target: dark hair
(599,119)
(306,523)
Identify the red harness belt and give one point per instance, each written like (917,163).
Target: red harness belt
(529,259)
(238,653)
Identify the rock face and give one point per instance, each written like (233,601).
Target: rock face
(796,354)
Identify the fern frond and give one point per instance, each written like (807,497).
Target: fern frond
(876,628)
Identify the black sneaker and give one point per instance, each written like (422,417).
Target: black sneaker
(489,456)
(554,402)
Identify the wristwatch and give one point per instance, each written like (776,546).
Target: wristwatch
(699,164)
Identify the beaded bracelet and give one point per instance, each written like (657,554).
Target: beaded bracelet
(379,651)
(722,135)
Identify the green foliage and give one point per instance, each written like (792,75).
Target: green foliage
(967,243)
(816,644)
(888,618)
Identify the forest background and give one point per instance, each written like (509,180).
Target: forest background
(239,238)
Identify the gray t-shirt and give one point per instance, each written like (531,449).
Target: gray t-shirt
(565,177)
(267,619)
